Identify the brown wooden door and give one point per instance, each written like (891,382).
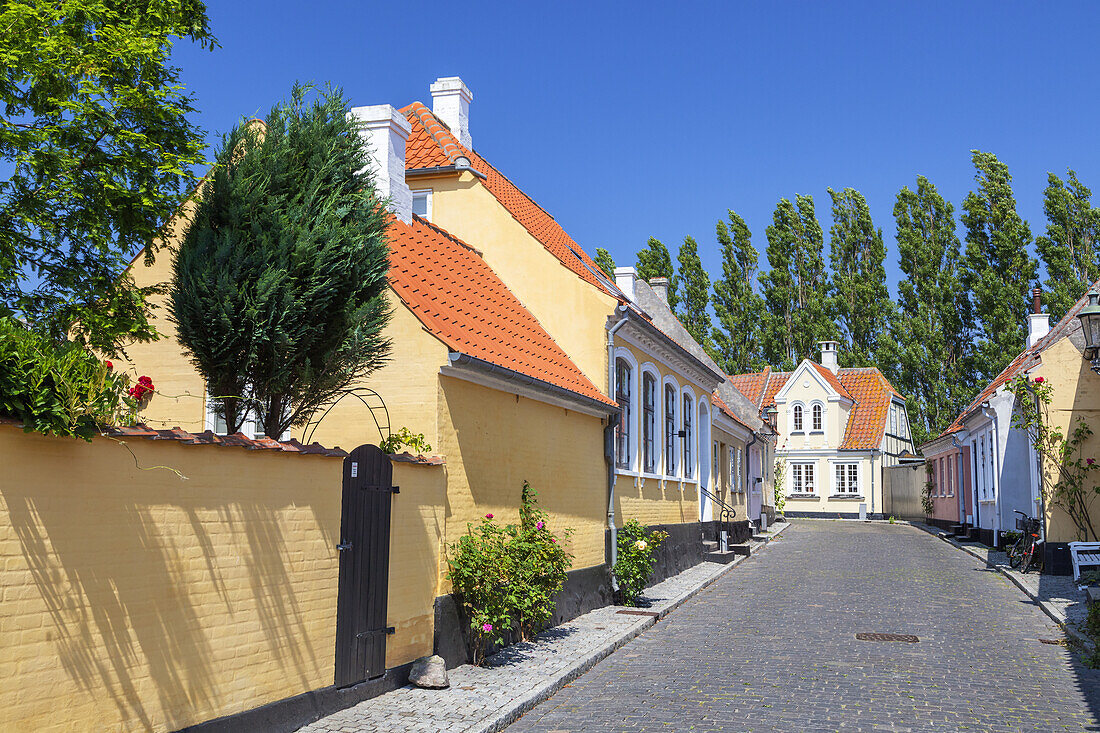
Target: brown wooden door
(364,566)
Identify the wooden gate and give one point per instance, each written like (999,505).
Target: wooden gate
(364,566)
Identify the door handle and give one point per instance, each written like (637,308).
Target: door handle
(343,546)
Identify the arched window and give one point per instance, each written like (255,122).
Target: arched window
(623,375)
(670,430)
(649,423)
(816,412)
(688,435)
(797,419)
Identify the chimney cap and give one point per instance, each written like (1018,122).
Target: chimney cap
(446,85)
(1036,300)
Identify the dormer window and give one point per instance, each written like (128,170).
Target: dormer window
(422,204)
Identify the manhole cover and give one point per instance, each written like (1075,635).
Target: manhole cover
(908,638)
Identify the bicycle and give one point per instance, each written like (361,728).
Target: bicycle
(1023,553)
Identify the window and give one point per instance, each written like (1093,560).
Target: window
(740,476)
(802,478)
(735,477)
(797,419)
(649,423)
(670,430)
(715,476)
(847,478)
(816,412)
(422,204)
(688,459)
(623,375)
(950,475)
(251,427)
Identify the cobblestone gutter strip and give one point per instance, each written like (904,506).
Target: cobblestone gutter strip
(1061,601)
(488,699)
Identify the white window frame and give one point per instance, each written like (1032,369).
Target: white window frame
(427,194)
(798,418)
(658,421)
(249,428)
(841,486)
(630,465)
(801,470)
(676,470)
(817,414)
(689,424)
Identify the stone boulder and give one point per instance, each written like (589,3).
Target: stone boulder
(429,672)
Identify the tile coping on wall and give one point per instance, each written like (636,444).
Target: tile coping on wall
(488,699)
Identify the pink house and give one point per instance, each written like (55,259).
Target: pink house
(949,470)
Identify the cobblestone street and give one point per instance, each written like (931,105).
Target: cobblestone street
(772,647)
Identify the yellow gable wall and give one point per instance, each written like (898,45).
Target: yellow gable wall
(1076,395)
(571,310)
(805,388)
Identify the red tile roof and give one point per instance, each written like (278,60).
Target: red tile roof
(717,402)
(752,385)
(834,382)
(431,145)
(462,302)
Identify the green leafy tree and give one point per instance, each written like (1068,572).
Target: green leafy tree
(1068,250)
(934,320)
(739,308)
(796,288)
(655,261)
(96,149)
(997,269)
(860,299)
(278,289)
(696,295)
(605,262)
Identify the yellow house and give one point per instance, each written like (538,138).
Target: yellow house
(838,429)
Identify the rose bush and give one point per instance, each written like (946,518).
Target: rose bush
(636,556)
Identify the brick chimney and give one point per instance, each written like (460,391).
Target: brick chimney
(829,355)
(1038,323)
(660,286)
(451,103)
(386,130)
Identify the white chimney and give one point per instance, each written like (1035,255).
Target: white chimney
(386,130)
(624,280)
(451,103)
(1038,324)
(660,286)
(828,355)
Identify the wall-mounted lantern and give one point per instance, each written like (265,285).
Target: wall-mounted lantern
(771,412)
(1090,327)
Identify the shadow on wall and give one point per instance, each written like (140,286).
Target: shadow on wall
(167,596)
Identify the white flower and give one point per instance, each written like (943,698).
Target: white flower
(641,545)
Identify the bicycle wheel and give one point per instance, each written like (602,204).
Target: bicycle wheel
(1034,558)
(1016,553)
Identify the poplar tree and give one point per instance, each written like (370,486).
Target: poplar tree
(997,269)
(934,319)
(696,296)
(604,261)
(1068,250)
(737,337)
(860,299)
(796,288)
(655,261)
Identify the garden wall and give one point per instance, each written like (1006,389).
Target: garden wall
(902,487)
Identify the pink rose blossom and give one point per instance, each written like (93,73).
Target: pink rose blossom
(553,540)
(486,627)
(1039,380)
(540,525)
(1091,461)
(488,516)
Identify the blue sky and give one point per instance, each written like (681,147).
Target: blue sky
(652,119)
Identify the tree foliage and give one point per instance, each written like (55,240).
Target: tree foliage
(696,294)
(1068,250)
(737,305)
(933,322)
(605,262)
(96,143)
(655,261)
(861,301)
(278,289)
(796,288)
(997,269)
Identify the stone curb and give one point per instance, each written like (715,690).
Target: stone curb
(1057,616)
(503,718)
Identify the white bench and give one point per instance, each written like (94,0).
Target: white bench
(1083,553)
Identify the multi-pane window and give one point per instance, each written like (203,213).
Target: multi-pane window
(802,478)
(688,434)
(735,476)
(670,430)
(623,375)
(714,465)
(797,419)
(816,412)
(847,478)
(649,423)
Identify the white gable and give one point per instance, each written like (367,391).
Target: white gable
(807,377)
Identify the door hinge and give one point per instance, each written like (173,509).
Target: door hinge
(388,631)
(343,546)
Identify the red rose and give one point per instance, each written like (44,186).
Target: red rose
(109,364)
(1039,380)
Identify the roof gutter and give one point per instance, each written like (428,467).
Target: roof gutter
(443,170)
(459,359)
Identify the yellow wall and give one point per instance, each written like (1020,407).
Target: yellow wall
(572,311)
(1076,395)
(135,600)
(824,474)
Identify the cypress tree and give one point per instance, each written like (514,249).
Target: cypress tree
(860,299)
(605,262)
(696,297)
(796,288)
(997,269)
(655,261)
(1068,250)
(737,338)
(278,285)
(934,320)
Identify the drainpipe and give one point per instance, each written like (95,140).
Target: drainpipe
(609,444)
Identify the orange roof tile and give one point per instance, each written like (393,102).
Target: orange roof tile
(751,385)
(717,402)
(775,383)
(462,302)
(831,378)
(872,394)
(431,145)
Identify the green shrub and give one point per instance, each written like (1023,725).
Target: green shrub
(404,438)
(58,388)
(636,556)
(506,578)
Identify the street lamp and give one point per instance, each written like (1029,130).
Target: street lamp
(1090,326)
(770,412)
